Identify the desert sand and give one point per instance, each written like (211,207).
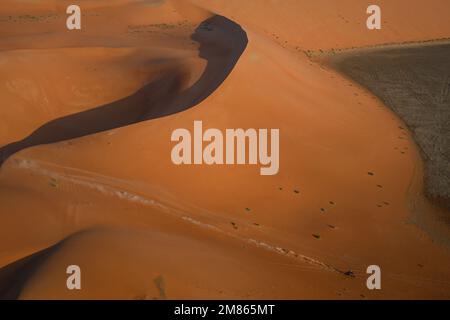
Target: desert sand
(87,179)
(413,80)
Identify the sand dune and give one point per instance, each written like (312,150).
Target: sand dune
(87,177)
(332,25)
(221,42)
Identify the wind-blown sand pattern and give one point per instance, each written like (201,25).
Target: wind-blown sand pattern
(86,176)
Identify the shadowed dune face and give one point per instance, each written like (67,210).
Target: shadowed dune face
(41,275)
(221,43)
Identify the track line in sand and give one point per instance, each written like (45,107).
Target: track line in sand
(110,186)
(100,184)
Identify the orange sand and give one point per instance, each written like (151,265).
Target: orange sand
(114,204)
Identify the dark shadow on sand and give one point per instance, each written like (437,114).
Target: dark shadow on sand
(222,42)
(14,276)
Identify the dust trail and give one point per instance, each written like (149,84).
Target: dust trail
(110,186)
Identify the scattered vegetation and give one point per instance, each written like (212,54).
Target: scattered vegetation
(53,182)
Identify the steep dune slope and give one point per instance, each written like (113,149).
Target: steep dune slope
(112,201)
(327,24)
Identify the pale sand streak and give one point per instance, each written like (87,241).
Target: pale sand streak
(38,168)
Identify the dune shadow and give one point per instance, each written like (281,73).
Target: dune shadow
(221,43)
(14,276)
